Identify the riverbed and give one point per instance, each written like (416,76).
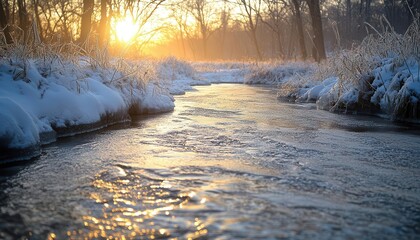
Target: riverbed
(231,162)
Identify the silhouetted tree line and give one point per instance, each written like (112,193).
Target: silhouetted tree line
(285,29)
(211,29)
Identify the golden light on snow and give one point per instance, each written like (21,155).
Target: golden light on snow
(126,30)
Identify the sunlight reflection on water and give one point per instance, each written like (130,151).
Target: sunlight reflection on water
(129,205)
(229,163)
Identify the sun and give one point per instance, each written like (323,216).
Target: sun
(126,30)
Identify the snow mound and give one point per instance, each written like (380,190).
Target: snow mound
(17,128)
(153,100)
(50,97)
(311,94)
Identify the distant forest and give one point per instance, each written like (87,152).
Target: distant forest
(205,29)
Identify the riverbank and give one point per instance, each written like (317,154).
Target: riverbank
(51,95)
(379,77)
(44,98)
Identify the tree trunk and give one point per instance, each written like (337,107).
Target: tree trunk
(23,19)
(348,18)
(255,41)
(368,12)
(4,23)
(204,39)
(103,34)
(318,36)
(184,52)
(204,47)
(38,20)
(86,20)
(280,43)
(299,24)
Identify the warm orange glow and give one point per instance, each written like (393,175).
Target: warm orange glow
(126,30)
(133,207)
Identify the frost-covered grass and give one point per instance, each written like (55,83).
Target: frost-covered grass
(274,73)
(64,90)
(222,71)
(216,66)
(381,75)
(178,76)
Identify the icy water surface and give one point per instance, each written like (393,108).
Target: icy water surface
(230,163)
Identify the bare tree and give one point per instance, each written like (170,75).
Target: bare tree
(23,19)
(140,12)
(318,36)
(276,14)
(203,14)
(86,20)
(225,17)
(37,20)
(251,10)
(103,24)
(4,23)
(298,19)
(179,14)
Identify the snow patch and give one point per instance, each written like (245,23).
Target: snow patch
(17,127)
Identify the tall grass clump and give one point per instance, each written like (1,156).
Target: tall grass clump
(69,64)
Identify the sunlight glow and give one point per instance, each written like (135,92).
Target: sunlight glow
(126,30)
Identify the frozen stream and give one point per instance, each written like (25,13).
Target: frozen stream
(231,162)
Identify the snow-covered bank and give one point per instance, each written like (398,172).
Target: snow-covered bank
(381,76)
(42,98)
(182,76)
(205,73)
(179,76)
(222,72)
(45,98)
(264,73)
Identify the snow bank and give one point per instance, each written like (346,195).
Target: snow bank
(153,100)
(391,88)
(58,97)
(381,76)
(18,129)
(180,76)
